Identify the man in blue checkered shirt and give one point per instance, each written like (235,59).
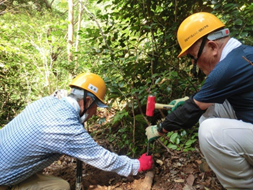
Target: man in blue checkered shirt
(51,127)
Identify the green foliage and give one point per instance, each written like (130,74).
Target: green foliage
(123,137)
(183,140)
(126,136)
(131,44)
(237,17)
(140,50)
(17,6)
(137,53)
(30,59)
(119,116)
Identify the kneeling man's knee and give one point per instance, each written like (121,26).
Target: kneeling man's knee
(207,133)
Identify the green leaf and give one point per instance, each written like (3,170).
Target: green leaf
(172,146)
(173,137)
(238,22)
(190,142)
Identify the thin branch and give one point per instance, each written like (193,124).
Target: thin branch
(51,3)
(2,2)
(48,5)
(100,29)
(134,124)
(168,150)
(247,60)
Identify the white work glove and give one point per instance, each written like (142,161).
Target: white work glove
(152,133)
(178,102)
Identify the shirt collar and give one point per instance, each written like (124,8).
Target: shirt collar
(73,103)
(231,44)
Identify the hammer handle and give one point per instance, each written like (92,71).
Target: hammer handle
(79,168)
(163,106)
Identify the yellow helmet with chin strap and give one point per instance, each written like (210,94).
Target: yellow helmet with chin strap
(91,83)
(195,27)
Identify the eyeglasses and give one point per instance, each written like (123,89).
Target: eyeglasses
(200,50)
(198,55)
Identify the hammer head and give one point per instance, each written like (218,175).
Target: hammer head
(150,105)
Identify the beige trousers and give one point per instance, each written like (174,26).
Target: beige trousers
(226,143)
(41,182)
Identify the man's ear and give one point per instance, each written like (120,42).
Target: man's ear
(88,101)
(213,47)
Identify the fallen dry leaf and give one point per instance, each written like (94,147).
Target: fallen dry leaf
(198,162)
(188,187)
(179,180)
(189,170)
(160,162)
(190,179)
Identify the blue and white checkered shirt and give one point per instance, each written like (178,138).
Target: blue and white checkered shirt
(45,130)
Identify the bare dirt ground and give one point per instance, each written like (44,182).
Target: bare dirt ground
(171,171)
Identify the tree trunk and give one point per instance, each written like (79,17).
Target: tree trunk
(78,28)
(70,30)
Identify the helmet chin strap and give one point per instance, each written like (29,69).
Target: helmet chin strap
(194,72)
(84,103)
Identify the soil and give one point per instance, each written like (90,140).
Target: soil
(172,170)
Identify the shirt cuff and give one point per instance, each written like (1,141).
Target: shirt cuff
(136,166)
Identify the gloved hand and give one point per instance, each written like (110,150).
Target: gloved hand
(152,133)
(178,102)
(145,162)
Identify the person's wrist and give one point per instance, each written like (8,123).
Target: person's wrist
(160,128)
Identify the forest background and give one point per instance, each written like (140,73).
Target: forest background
(131,44)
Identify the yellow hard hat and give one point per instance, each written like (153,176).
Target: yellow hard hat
(195,27)
(92,83)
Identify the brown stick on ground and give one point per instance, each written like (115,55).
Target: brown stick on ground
(148,181)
